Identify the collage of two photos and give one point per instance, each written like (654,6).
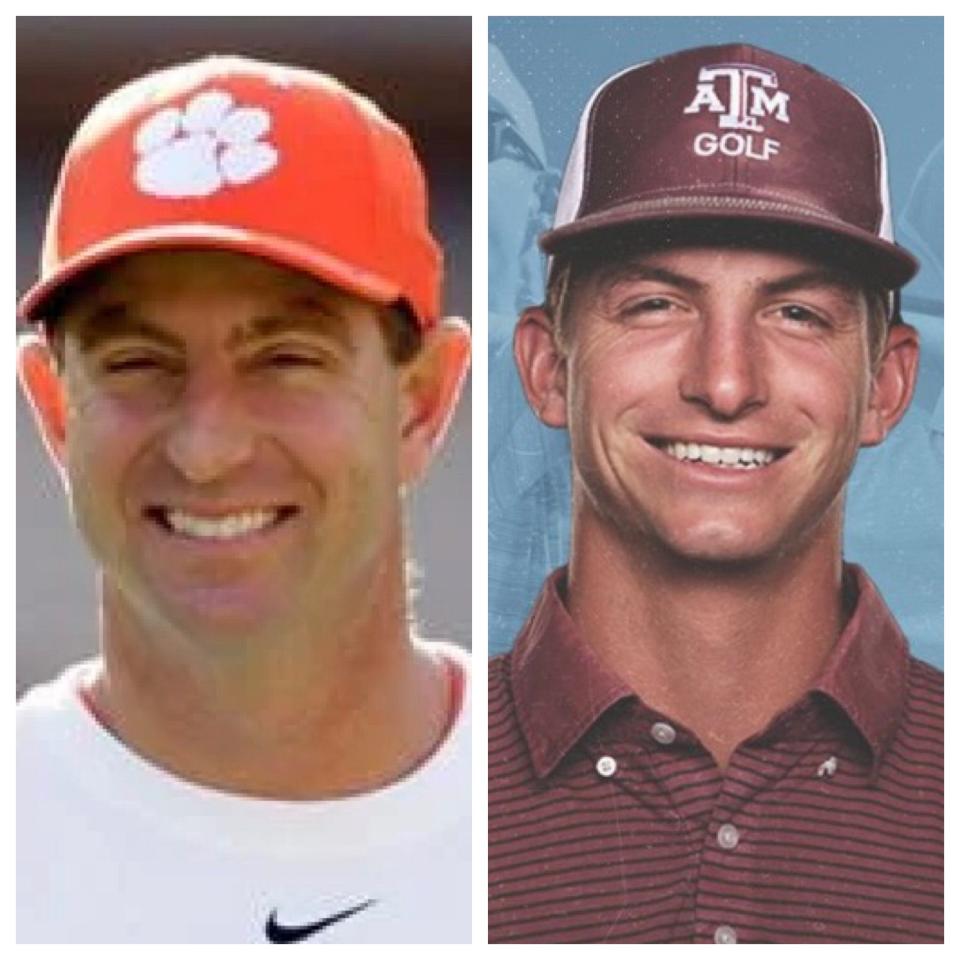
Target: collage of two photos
(253,678)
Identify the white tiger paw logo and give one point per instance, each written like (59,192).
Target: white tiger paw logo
(208,145)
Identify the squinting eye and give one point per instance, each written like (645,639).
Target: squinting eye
(135,363)
(289,359)
(655,303)
(797,314)
(647,305)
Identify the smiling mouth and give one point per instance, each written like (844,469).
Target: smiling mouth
(729,457)
(229,526)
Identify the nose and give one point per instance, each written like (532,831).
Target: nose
(726,370)
(211,435)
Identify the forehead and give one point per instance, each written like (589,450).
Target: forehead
(714,266)
(160,283)
(814,247)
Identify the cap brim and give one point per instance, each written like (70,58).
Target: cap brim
(888,264)
(200,236)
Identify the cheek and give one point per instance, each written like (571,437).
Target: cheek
(830,387)
(624,381)
(602,402)
(335,432)
(103,437)
(102,445)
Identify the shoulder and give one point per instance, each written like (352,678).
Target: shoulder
(452,653)
(52,703)
(925,676)
(924,701)
(913,762)
(506,743)
(458,662)
(498,683)
(55,737)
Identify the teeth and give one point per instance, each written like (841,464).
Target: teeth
(220,528)
(739,458)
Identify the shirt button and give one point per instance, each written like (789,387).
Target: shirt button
(663,733)
(728,836)
(606,766)
(725,934)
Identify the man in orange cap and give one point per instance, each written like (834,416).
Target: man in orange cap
(237,361)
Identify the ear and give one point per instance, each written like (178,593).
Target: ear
(430,386)
(43,386)
(542,366)
(894,379)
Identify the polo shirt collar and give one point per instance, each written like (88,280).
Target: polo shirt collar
(561,688)
(866,672)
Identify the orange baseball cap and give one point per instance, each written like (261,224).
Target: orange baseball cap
(236,154)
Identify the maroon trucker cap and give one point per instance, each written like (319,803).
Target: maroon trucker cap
(732,133)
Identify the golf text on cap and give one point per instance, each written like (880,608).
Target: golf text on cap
(752,93)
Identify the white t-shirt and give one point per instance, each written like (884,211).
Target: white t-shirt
(112,849)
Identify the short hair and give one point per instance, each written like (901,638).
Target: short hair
(402,331)
(570,268)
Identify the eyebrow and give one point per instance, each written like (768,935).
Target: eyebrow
(660,274)
(304,314)
(805,279)
(819,277)
(113,320)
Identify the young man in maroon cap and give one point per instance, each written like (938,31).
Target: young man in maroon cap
(238,363)
(710,728)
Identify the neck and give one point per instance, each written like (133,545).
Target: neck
(721,648)
(319,710)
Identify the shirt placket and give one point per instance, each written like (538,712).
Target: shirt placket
(729,853)
(714,825)
(717,831)
(724,850)
(649,758)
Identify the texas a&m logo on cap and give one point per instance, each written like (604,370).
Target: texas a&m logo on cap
(742,95)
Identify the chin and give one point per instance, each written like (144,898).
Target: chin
(719,542)
(223,614)
(723,556)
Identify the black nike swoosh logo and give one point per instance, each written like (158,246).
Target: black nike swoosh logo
(277,933)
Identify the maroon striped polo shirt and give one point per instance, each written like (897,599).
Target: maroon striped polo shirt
(611,823)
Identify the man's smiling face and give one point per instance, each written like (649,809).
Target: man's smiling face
(231,440)
(716,398)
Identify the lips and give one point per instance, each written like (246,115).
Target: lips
(219,526)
